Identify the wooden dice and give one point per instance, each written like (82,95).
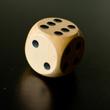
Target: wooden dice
(54,46)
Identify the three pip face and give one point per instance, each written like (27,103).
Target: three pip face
(54,46)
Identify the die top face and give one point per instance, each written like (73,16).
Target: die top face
(57,27)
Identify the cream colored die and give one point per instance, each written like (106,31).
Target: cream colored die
(54,46)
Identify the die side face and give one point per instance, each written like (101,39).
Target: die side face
(72,55)
(40,53)
(51,47)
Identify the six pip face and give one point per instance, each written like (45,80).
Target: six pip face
(54,47)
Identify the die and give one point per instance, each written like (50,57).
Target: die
(54,47)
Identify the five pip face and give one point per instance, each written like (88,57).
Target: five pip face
(54,46)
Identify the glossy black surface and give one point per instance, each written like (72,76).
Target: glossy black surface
(87,88)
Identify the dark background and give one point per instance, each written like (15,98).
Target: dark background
(89,86)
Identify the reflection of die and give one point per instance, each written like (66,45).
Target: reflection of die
(54,47)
